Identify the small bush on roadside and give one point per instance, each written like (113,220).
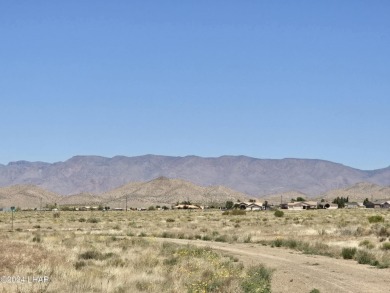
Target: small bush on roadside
(170,220)
(221,238)
(206,238)
(376,219)
(258,280)
(364,257)
(348,252)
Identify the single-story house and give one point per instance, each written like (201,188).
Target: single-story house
(354,205)
(373,204)
(251,206)
(298,205)
(385,204)
(254,207)
(310,205)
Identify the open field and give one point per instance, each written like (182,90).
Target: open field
(333,251)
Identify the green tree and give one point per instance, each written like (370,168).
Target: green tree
(229,204)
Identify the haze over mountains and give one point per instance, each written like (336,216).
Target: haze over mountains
(257,177)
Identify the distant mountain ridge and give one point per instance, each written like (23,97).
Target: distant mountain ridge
(257,177)
(160,191)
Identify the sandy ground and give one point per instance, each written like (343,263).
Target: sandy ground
(297,272)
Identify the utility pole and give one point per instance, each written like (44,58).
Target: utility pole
(12,221)
(40,206)
(126,202)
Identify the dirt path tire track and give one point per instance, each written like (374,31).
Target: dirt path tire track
(297,272)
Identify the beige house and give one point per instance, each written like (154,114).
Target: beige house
(251,206)
(302,205)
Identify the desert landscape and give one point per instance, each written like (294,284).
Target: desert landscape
(172,235)
(194,146)
(197,251)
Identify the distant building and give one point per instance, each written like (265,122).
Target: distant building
(301,205)
(251,206)
(354,205)
(378,204)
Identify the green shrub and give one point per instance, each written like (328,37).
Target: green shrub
(248,238)
(279,213)
(376,219)
(170,220)
(206,238)
(277,242)
(37,238)
(166,234)
(93,254)
(258,280)
(291,243)
(90,254)
(221,238)
(315,291)
(93,220)
(79,265)
(383,232)
(81,220)
(364,257)
(348,252)
(366,243)
(386,246)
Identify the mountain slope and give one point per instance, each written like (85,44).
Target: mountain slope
(359,192)
(92,174)
(26,196)
(165,191)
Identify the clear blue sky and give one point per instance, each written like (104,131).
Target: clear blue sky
(268,79)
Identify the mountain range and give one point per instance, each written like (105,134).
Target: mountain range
(252,176)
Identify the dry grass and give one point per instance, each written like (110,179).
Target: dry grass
(107,252)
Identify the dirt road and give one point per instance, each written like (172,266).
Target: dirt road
(297,272)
